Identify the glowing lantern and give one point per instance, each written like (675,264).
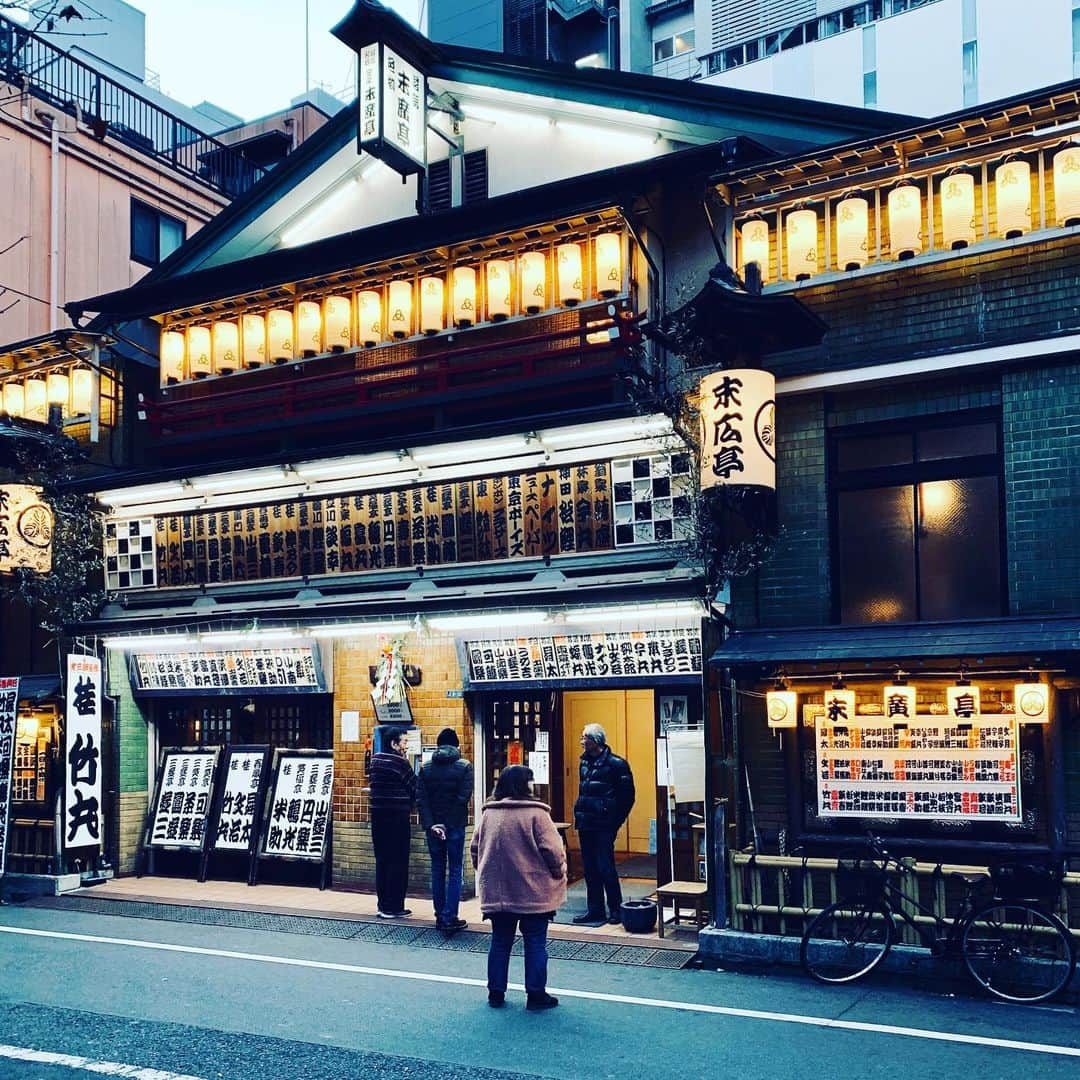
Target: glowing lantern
(533,269)
(369,318)
(337,320)
(1031,702)
(781,708)
(801,227)
(309,328)
(957,199)
(37,405)
(58,390)
(609,264)
(254,341)
(1067,186)
(399,313)
(755,247)
(963,701)
(82,390)
(852,232)
(1012,188)
(226,347)
(464,285)
(839,706)
(279,335)
(905,221)
(14,399)
(200,361)
(432,296)
(171,352)
(571,289)
(899,702)
(498,289)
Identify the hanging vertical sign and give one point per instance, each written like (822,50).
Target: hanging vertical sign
(393,109)
(738,421)
(9,704)
(82,753)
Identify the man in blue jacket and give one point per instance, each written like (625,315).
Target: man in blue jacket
(444,793)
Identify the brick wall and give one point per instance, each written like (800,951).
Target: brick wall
(130,728)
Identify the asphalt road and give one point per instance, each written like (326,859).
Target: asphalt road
(161,1000)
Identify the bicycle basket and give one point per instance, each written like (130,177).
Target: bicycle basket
(1027,881)
(859,875)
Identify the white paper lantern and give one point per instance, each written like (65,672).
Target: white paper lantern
(399,309)
(1012,189)
(852,232)
(171,352)
(755,246)
(962,702)
(532,266)
(226,347)
(609,273)
(14,399)
(801,229)
(781,708)
(899,702)
(957,199)
(1031,702)
(570,284)
(905,221)
(432,298)
(82,391)
(309,328)
(369,319)
(254,352)
(1067,186)
(58,390)
(498,280)
(199,355)
(279,335)
(337,323)
(37,403)
(464,287)
(738,428)
(839,706)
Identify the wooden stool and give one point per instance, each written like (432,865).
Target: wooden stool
(689,893)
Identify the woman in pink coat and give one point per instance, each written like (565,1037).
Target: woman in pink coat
(521,877)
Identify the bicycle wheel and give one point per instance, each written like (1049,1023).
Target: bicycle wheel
(847,941)
(1018,952)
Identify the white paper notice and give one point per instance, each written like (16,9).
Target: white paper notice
(663,771)
(350,726)
(538,762)
(541,741)
(686,761)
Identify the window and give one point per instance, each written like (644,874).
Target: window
(675,45)
(917,523)
(154,235)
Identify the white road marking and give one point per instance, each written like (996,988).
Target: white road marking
(102,1068)
(591,995)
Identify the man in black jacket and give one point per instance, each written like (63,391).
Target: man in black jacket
(605,796)
(444,793)
(392,793)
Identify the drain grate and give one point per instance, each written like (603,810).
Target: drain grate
(375,932)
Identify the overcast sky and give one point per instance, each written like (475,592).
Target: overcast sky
(248,55)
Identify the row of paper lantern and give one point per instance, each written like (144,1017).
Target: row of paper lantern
(30,398)
(1031,704)
(394,313)
(956,199)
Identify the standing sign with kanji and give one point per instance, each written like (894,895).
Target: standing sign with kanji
(738,429)
(9,704)
(82,754)
(238,803)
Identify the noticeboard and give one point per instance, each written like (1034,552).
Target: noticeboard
(293,669)
(238,806)
(182,798)
(298,810)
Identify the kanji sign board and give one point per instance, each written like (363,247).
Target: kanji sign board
(9,705)
(82,753)
(393,109)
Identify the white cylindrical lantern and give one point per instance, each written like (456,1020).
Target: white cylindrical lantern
(899,702)
(755,247)
(399,309)
(569,277)
(498,277)
(1067,186)
(608,250)
(738,438)
(963,701)
(369,321)
(1012,191)
(852,232)
(82,391)
(432,297)
(781,708)
(309,328)
(839,706)
(171,352)
(37,403)
(226,347)
(254,327)
(337,322)
(801,229)
(464,287)
(14,399)
(957,197)
(532,266)
(905,221)
(199,356)
(58,390)
(279,335)
(1031,702)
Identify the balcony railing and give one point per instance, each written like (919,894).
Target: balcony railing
(109,108)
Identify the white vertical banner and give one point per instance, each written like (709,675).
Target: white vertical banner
(82,753)
(738,422)
(9,706)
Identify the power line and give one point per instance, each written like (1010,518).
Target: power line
(18,292)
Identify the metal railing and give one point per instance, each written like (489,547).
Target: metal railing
(108,108)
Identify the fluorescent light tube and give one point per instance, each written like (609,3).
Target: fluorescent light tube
(689,609)
(149,641)
(371,629)
(488,620)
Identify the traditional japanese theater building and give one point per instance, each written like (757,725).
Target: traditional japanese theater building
(399,418)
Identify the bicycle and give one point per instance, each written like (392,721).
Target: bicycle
(1012,946)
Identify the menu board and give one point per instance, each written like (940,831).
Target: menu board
(932,767)
(298,814)
(294,668)
(182,801)
(586,656)
(241,787)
